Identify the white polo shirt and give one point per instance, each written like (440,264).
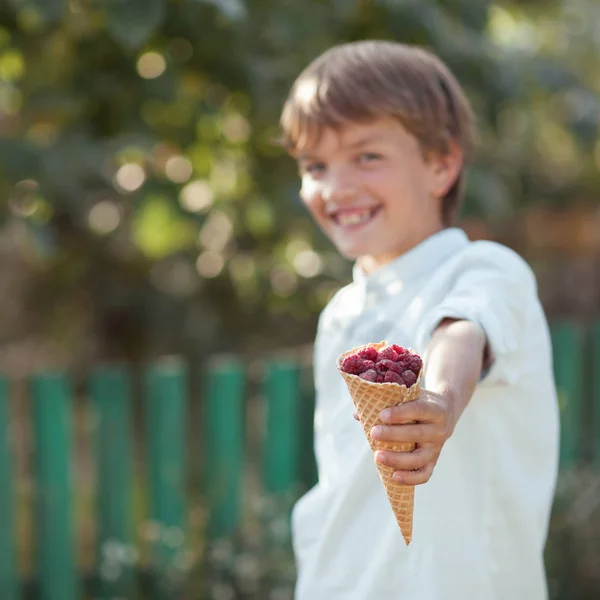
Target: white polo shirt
(480,522)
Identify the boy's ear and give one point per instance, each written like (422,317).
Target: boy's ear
(445,169)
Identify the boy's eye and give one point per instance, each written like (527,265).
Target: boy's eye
(368,157)
(314,168)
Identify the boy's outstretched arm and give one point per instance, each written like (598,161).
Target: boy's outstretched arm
(454,359)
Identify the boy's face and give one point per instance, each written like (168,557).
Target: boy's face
(371,191)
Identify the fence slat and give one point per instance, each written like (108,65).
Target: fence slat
(568,351)
(224,434)
(308,465)
(56,565)
(166,403)
(595,375)
(281,450)
(111,395)
(9,587)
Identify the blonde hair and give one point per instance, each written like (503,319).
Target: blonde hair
(362,81)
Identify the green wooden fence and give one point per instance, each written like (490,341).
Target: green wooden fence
(216,424)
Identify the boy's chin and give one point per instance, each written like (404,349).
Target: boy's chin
(349,251)
(354,253)
(349,254)
(346,253)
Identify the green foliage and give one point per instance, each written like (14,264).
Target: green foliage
(132,22)
(137,152)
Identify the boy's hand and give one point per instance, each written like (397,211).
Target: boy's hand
(428,422)
(454,358)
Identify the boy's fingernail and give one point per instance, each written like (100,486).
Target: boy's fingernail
(385,414)
(379,456)
(376,432)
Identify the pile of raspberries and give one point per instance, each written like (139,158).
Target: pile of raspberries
(391,364)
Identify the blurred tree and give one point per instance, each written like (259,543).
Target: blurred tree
(137,164)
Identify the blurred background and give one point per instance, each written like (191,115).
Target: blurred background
(146,213)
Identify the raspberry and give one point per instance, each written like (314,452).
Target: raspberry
(370,375)
(415,364)
(388,365)
(380,378)
(399,349)
(387,352)
(353,364)
(368,353)
(402,365)
(385,365)
(409,378)
(392,377)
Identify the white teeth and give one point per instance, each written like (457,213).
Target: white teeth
(353,218)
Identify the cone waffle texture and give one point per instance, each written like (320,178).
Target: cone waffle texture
(369,400)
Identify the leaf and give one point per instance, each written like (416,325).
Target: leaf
(51,11)
(158,230)
(345,9)
(18,160)
(132,22)
(471,14)
(45,11)
(232,9)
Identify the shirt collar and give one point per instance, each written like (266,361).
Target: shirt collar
(420,260)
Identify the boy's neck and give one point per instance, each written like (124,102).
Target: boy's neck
(369,264)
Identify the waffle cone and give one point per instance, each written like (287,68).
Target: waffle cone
(369,400)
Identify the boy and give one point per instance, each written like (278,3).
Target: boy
(382,134)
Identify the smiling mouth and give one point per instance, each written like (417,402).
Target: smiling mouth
(354,218)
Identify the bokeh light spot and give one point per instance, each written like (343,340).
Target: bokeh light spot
(130,177)
(196,196)
(151,65)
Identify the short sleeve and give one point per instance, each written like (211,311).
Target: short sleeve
(493,287)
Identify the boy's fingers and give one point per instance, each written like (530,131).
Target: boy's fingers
(421,410)
(355,415)
(416,477)
(418,433)
(406,461)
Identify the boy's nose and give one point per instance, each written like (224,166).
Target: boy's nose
(338,189)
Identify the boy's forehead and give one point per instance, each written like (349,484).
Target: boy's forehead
(347,135)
